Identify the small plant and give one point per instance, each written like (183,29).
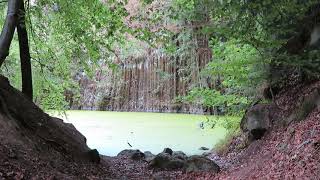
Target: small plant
(223,145)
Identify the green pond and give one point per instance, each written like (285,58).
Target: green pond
(110,132)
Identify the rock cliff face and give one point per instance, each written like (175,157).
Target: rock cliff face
(153,83)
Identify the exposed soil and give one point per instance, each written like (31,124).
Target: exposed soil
(36,146)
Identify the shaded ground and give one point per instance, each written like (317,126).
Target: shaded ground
(291,153)
(35,146)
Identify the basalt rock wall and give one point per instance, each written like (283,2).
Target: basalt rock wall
(154,82)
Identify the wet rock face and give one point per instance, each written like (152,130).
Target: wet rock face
(150,83)
(153,82)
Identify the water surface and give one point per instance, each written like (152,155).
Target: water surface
(111,132)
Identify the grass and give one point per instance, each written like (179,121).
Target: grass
(232,125)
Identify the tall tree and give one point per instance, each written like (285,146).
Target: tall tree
(25,58)
(16,19)
(9,28)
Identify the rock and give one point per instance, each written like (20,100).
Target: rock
(201,164)
(148,156)
(175,164)
(179,155)
(164,161)
(206,154)
(257,120)
(204,149)
(309,103)
(94,156)
(132,154)
(168,151)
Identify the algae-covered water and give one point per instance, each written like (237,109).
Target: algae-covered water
(111,132)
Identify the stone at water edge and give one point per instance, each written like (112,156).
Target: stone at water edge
(168,151)
(204,149)
(179,155)
(165,161)
(201,164)
(132,154)
(149,156)
(206,154)
(258,120)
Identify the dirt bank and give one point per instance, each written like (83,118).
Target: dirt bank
(36,146)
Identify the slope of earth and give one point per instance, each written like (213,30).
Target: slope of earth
(35,146)
(291,153)
(285,152)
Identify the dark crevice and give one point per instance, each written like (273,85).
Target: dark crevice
(257,134)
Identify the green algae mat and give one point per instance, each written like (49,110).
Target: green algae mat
(111,132)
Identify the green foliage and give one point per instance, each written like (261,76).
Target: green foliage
(222,146)
(230,123)
(237,70)
(50,94)
(247,37)
(238,64)
(68,38)
(232,126)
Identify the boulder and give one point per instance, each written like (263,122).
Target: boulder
(165,161)
(179,155)
(201,164)
(204,149)
(132,154)
(168,151)
(148,156)
(257,120)
(308,104)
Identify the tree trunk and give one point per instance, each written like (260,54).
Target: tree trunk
(9,28)
(25,59)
